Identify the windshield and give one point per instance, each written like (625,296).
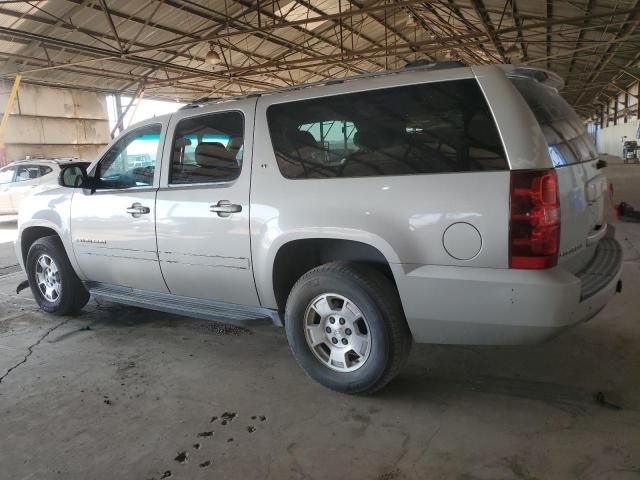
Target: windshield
(565,132)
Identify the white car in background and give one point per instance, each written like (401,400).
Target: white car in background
(22,178)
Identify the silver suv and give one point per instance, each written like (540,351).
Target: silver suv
(459,205)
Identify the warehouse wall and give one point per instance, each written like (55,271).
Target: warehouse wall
(609,139)
(618,117)
(55,122)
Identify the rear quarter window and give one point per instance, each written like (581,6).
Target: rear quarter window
(419,129)
(565,132)
(27,172)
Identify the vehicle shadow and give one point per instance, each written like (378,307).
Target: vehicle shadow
(123,316)
(8,233)
(8,228)
(8,220)
(563,373)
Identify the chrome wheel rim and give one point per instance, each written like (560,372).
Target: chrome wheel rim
(337,332)
(48,277)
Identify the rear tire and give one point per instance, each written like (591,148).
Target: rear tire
(54,284)
(346,327)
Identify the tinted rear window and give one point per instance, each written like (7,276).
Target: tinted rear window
(565,132)
(419,129)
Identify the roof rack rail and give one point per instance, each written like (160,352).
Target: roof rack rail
(436,65)
(419,65)
(199,102)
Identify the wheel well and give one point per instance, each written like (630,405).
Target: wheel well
(296,258)
(32,234)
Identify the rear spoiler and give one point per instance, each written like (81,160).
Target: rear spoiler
(541,75)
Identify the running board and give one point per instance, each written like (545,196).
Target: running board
(189,307)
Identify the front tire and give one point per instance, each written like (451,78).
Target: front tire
(346,327)
(54,284)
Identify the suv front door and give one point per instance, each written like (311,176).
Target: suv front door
(113,229)
(203,205)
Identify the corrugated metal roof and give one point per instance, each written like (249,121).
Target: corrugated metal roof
(117,45)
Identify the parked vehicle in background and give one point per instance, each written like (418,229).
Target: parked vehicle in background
(443,204)
(630,151)
(22,178)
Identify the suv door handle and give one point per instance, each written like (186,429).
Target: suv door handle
(224,208)
(136,210)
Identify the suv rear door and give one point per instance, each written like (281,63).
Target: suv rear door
(581,185)
(26,181)
(203,204)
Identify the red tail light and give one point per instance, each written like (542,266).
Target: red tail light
(534,229)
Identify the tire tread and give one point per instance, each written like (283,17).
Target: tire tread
(69,304)
(386,298)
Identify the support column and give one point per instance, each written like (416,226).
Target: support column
(119,126)
(5,118)
(626,105)
(118,99)
(135,107)
(601,117)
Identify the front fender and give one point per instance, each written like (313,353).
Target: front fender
(49,209)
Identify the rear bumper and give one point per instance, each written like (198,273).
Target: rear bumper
(483,306)
(605,264)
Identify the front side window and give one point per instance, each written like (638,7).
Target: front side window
(27,172)
(418,129)
(6,175)
(207,148)
(131,162)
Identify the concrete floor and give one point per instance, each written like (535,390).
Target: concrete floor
(123,393)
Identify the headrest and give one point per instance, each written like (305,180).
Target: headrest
(234,143)
(304,139)
(214,155)
(210,144)
(371,139)
(182,142)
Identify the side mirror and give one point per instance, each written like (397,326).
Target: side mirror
(75,176)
